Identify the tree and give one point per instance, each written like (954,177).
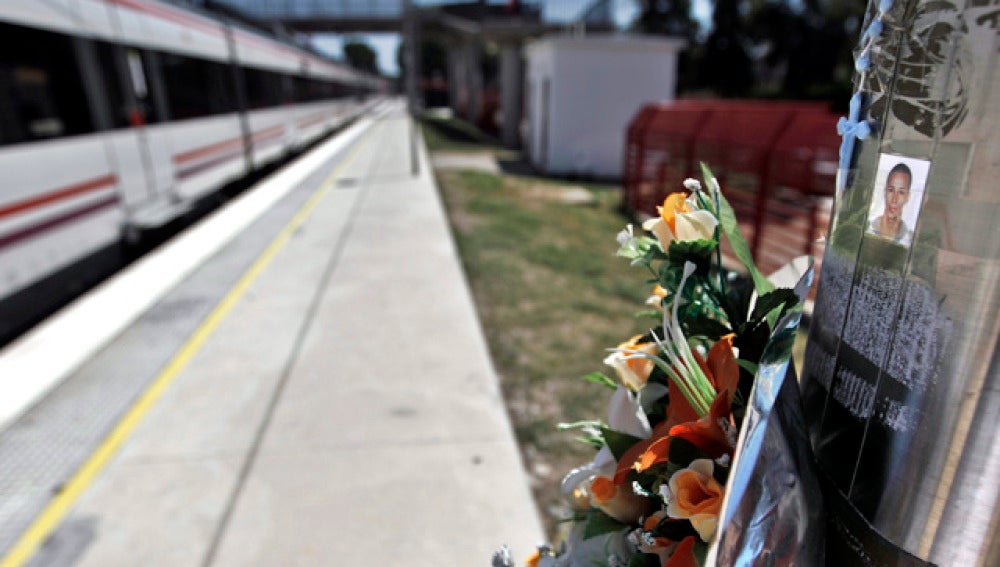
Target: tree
(671,18)
(361,56)
(727,67)
(667,17)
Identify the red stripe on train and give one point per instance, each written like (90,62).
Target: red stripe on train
(224,145)
(268,133)
(59,194)
(309,121)
(205,165)
(56,222)
(206,150)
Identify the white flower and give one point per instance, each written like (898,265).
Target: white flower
(625,414)
(665,493)
(626,236)
(682,219)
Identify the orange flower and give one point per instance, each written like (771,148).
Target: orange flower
(630,459)
(673,204)
(707,433)
(633,372)
(721,368)
(682,419)
(684,554)
(697,497)
(681,218)
(619,502)
(659,294)
(657,452)
(659,546)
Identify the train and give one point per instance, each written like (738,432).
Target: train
(116,116)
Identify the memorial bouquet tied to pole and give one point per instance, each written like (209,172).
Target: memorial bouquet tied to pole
(654,493)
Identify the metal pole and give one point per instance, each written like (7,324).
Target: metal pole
(411,28)
(414,151)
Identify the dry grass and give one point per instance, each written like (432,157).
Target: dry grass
(552,297)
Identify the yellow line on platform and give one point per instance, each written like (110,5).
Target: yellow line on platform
(59,506)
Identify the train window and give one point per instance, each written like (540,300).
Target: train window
(106,58)
(287,88)
(149,101)
(264,88)
(308,90)
(197,87)
(113,73)
(301,89)
(41,90)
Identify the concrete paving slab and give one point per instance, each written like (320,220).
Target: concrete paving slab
(365,428)
(476,161)
(160,512)
(213,406)
(181,468)
(392,425)
(424,505)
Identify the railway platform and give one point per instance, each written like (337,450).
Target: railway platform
(305,384)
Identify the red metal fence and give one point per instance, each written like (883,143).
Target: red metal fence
(776,162)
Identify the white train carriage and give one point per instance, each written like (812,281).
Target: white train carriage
(115,115)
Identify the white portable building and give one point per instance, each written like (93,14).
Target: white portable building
(582,91)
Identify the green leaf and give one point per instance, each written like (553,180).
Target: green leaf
(670,276)
(682,452)
(700,551)
(747,365)
(654,252)
(600,379)
(675,530)
(751,339)
(773,315)
(697,251)
(777,299)
(591,423)
(644,560)
(731,228)
(643,251)
(618,442)
(705,327)
(592,441)
(598,523)
(649,313)
(739,292)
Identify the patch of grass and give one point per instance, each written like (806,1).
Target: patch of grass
(452,134)
(553,297)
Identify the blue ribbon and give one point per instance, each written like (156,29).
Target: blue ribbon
(851,128)
(884,6)
(864,61)
(874,30)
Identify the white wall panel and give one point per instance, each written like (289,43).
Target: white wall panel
(596,85)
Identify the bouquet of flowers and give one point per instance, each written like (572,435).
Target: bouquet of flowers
(655,493)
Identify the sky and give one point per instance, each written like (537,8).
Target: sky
(386,44)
